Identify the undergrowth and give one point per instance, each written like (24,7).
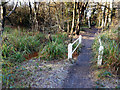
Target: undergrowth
(55,49)
(17,44)
(111,55)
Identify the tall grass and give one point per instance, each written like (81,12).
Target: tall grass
(55,49)
(111,55)
(17,44)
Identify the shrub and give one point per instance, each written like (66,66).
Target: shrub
(21,16)
(18,44)
(55,49)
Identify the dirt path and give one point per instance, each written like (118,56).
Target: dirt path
(79,75)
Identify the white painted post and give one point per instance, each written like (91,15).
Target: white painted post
(101,48)
(80,39)
(69,51)
(89,22)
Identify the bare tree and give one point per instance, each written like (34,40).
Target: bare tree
(35,15)
(31,19)
(73,21)
(4,16)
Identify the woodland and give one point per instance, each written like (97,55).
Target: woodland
(41,31)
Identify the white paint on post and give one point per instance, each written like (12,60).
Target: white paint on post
(80,39)
(89,22)
(100,41)
(100,55)
(69,51)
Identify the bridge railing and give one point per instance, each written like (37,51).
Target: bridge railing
(70,51)
(100,55)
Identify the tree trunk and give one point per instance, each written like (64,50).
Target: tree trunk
(78,19)
(105,15)
(4,14)
(73,21)
(111,7)
(119,25)
(103,18)
(106,18)
(62,15)
(35,17)
(49,16)
(31,21)
(68,21)
(99,11)
(1,32)
(1,21)
(99,20)
(68,26)
(58,19)
(89,19)
(110,14)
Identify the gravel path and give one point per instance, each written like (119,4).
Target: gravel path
(79,75)
(36,74)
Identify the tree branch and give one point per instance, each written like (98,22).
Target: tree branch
(12,9)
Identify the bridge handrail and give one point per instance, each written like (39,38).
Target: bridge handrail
(70,51)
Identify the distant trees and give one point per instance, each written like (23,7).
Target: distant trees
(4,14)
(3,17)
(105,13)
(78,16)
(59,16)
